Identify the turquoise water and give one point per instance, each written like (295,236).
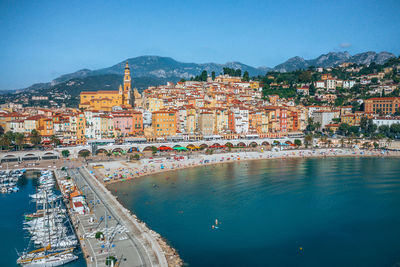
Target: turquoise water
(12,207)
(296,212)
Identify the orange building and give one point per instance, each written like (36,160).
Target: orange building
(106,100)
(164,122)
(326,76)
(382,105)
(45,127)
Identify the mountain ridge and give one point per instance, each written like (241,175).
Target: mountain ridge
(151,69)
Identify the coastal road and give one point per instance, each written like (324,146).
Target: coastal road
(121,238)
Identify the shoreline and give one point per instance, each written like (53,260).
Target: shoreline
(150,168)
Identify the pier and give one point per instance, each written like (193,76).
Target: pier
(126,239)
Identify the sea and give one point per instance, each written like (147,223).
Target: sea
(12,208)
(281,212)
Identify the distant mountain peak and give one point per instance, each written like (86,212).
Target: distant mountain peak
(333,59)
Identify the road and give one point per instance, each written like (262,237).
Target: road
(121,237)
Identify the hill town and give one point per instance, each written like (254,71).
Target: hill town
(350,99)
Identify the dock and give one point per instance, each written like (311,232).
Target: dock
(126,239)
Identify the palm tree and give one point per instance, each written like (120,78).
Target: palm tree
(308,140)
(388,142)
(342,141)
(329,143)
(35,137)
(349,141)
(19,140)
(55,140)
(324,140)
(4,142)
(65,153)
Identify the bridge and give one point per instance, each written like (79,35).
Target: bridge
(35,155)
(141,147)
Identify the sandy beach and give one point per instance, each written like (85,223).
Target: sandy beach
(121,170)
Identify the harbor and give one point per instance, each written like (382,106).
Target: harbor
(52,241)
(108,233)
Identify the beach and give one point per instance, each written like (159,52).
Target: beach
(121,170)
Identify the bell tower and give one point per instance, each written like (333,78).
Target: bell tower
(129,98)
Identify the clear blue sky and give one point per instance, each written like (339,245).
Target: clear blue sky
(41,40)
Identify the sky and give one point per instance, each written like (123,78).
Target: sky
(41,40)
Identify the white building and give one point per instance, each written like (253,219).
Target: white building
(330,84)
(347,84)
(241,117)
(386,121)
(324,117)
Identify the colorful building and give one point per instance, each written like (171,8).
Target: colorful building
(106,100)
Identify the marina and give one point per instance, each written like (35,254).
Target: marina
(52,240)
(15,207)
(9,179)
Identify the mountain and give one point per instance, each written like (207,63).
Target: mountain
(333,59)
(145,71)
(166,67)
(154,70)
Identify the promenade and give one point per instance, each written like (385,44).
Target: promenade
(129,243)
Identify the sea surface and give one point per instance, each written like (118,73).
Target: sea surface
(13,237)
(293,212)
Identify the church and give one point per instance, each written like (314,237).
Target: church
(110,100)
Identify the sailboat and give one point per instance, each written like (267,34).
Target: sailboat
(48,231)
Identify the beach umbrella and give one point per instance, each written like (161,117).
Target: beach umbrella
(180,148)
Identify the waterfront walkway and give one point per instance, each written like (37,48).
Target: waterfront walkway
(125,239)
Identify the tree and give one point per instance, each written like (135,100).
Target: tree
(344,128)
(297,142)
(4,142)
(305,76)
(384,129)
(388,142)
(246,77)
(203,76)
(238,73)
(1,130)
(85,154)
(213,75)
(136,157)
(308,140)
(312,89)
(374,80)
(35,138)
(395,128)
(65,153)
(55,140)
(154,150)
(19,140)
(342,142)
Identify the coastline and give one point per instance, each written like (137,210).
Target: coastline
(148,167)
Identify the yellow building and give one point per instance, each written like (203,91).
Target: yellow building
(164,122)
(106,100)
(254,85)
(349,119)
(155,104)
